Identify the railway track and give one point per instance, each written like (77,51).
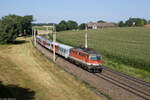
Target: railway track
(133,85)
(127,76)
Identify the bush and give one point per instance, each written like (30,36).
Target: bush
(82,26)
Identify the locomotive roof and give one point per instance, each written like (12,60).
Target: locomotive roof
(86,50)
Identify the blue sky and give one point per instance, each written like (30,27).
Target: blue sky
(78,10)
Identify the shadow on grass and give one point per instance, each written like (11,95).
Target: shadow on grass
(15,92)
(17,42)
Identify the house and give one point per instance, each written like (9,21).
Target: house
(92,25)
(147,25)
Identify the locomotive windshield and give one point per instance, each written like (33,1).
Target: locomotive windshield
(95,57)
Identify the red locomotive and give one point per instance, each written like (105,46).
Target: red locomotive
(87,58)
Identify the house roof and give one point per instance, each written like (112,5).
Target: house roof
(147,25)
(90,24)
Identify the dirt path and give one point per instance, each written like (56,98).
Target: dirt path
(33,70)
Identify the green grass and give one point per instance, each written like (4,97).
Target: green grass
(126,47)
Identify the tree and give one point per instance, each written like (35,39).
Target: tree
(9,28)
(61,26)
(12,25)
(26,24)
(135,22)
(69,25)
(72,25)
(82,26)
(121,24)
(101,21)
(142,23)
(129,22)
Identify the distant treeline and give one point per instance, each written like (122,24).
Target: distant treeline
(70,25)
(131,22)
(73,25)
(12,26)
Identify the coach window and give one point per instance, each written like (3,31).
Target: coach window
(79,53)
(48,44)
(72,51)
(64,50)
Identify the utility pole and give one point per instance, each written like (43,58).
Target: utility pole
(86,36)
(34,38)
(47,30)
(54,40)
(32,33)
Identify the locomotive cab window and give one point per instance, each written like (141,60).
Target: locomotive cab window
(95,57)
(47,44)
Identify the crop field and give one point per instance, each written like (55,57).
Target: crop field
(123,49)
(27,75)
(43,27)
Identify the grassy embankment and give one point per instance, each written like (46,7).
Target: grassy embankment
(28,75)
(123,49)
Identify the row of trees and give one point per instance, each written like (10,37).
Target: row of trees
(130,22)
(69,25)
(66,25)
(12,26)
(133,22)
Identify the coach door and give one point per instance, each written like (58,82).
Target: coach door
(56,48)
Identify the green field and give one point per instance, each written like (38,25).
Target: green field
(123,49)
(43,27)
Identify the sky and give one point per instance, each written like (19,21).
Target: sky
(82,11)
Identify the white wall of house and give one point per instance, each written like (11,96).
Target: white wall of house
(94,27)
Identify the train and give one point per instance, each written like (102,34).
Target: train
(86,58)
